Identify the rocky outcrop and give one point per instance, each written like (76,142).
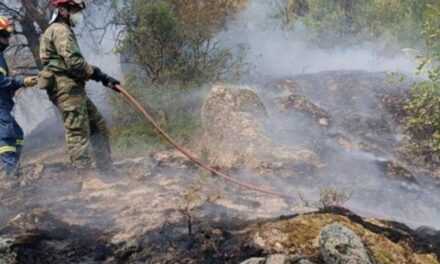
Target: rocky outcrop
(278,259)
(340,245)
(234,136)
(344,237)
(254,261)
(303,105)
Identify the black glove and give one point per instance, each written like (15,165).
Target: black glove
(110,82)
(106,80)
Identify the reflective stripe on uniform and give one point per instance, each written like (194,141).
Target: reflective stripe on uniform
(3,72)
(6,149)
(20,142)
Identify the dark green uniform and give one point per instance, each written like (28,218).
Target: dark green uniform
(66,72)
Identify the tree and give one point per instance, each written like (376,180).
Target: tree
(32,18)
(174,40)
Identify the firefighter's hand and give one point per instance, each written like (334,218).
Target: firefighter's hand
(30,81)
(110,82)
(105,79)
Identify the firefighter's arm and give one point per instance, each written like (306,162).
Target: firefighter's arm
(10,83)
(67,47)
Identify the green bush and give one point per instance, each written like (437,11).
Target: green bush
(151,37)
(171,52)
(172,41)
(347,22)
(431,32)
(423,121)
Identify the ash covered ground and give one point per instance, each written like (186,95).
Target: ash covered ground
(165,210)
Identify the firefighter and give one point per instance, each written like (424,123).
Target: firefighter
(11,134)
(64,77)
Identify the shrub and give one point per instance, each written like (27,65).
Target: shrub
(423,121)
(347,22)
(331,197)
(174,40)
(169,46)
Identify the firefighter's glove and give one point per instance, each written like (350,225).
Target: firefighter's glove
(110,82)
(106,80)
(30,81)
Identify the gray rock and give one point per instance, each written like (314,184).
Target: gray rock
(235,135)
(278,259)
(340,245)
(254,261)
(7,252)
(426,232)
(304,261)
(429,235)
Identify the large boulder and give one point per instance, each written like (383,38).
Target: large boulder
(234,135)
(340,245)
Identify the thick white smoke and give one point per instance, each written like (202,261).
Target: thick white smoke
(277,52)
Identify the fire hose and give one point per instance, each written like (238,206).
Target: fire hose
(134,103)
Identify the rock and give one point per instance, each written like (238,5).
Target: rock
(302,104)
(396,170)
(278,259)
(304,261)
(430,235)
(234,136)
(323,122)
(427,232)
(272,259)
(171,158)
(297,236)
(340,245)
(254,261)
(128,248)
(8,254)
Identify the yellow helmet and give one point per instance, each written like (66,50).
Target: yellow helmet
(6,25)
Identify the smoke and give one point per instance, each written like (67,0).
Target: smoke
(275,53)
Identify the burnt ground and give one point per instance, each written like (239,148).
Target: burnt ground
(353,121)
(38,237)
(164,210)
(157,213)
(62,216)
